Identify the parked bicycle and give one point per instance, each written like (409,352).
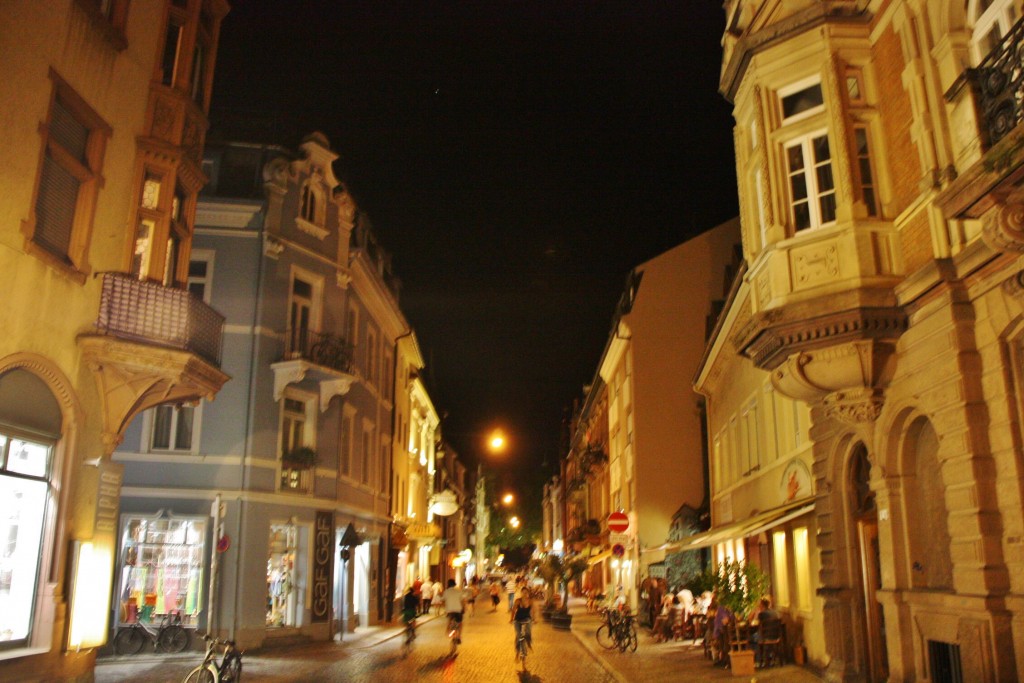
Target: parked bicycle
(618,631)
(228,670)
(171,636)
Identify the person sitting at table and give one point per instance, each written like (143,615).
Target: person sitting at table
(764,612)
(662,628)
(720,632)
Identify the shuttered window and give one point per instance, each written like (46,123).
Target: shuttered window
(74,138)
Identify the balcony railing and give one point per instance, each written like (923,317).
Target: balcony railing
(321,348)
(1000,85)
(163,316)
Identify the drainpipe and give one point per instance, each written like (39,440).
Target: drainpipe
(254,348)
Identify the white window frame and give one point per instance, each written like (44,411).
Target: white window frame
(205,256)
(316,283)
(793,88)
(367,451)
(346,442)
(1002,14)
(149,428)
(814,195)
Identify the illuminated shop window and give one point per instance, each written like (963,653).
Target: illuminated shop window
(283,599)
(780,562)
(161,568)
(24,494)
(802,562)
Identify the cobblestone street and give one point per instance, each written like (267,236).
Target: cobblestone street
(485,655)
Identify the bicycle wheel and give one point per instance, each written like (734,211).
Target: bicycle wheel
(631,640)
(231,672)
(605,637)
(174,639)
(201,674)
(129,641)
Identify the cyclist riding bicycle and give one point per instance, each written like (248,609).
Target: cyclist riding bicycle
(410,605)
(522,617)
(455,605)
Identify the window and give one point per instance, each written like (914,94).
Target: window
(779,562)
(992,20)
(172,48)
(802,561)
(811,185)
(172,428)
(200,274)
(24,494)
(867,178)
(347,422)
(297,429)
(371,356)
(385,458)
(74,139)
(311,206)
(801,100)
(110,16)
(388,388)
(367,452)
(299,315)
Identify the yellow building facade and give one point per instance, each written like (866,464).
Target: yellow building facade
(878,155)
(104,109)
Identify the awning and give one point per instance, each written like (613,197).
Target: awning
(600,557)
(742,529)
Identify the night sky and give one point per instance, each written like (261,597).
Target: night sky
(516,158)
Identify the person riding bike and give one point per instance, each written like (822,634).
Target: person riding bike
(455,605)
(522,616)
(410,606)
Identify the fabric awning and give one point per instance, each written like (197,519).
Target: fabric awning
(601,556)
(741,529)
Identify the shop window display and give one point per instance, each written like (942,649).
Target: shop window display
(282,596)
(161,568)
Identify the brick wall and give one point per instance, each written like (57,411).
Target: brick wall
(894,106)
(916,242)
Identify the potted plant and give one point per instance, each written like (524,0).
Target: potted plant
(739,586)
(557,574)
(300,458)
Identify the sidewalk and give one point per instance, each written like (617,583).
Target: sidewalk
(663,662)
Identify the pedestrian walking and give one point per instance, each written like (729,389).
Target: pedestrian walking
(495,592)
(426,596)
(510,586)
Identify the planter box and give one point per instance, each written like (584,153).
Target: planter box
(561,621)
(742,662)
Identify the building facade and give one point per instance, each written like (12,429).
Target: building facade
(878,156)
(105,116)
(296,460)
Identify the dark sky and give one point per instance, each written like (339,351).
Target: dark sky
(516,158)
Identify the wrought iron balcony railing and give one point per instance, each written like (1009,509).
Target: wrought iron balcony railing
(321,348)
(1000,85)
(163,316)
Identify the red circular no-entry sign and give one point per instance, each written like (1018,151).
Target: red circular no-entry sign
(618,522)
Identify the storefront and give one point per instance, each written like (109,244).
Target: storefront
(160,572)
(284,603)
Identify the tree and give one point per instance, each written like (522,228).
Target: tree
(739,586)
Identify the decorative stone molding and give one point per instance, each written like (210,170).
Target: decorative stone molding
(311,228)
(288,372)
(132,377)
(330,383)
(854,406)
(343,278)
(850,372)
(272,247)
(1003,228)
(331,388)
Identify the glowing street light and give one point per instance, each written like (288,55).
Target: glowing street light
(514,522)
(496,442)
(507,499)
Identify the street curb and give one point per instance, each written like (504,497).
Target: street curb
(598,657)
(399,630)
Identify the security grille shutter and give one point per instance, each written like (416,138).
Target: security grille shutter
(55,207)
(68,132)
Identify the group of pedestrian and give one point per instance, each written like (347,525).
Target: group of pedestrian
(421,596)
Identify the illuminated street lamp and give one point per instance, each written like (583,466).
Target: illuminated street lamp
(514,522)
(496,442)
(507,499)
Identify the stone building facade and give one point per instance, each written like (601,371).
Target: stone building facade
(104,108)
(878,154)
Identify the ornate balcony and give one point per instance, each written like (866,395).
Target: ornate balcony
(318,357)
(151,345)
(988,109)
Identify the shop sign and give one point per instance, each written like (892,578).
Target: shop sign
(423,530)
(323,557)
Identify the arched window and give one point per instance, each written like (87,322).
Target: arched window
(991,20)
(311,206)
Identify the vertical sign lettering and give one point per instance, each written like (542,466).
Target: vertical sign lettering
(323,562)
